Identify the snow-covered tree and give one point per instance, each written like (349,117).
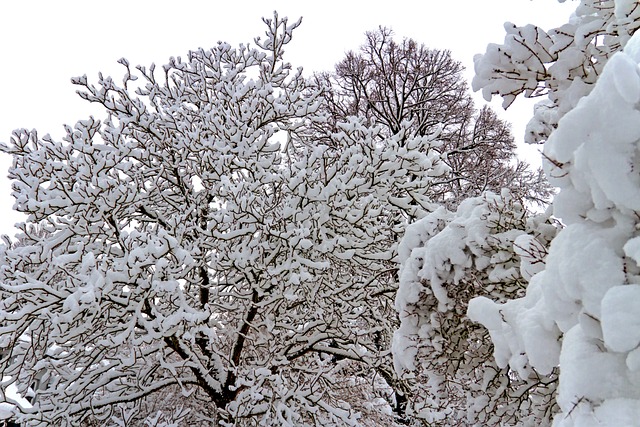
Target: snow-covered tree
(562,63)
(490,246)
(205,240)
(582,313)
(391,83)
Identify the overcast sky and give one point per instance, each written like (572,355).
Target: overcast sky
(44,43)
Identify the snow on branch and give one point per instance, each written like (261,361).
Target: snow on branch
(580,314)
(489,246)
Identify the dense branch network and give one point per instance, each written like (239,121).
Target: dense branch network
(227,237)
(408,87)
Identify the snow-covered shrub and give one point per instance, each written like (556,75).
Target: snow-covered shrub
(489,246)
(582,312)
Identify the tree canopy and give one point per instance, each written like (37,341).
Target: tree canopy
(226,240)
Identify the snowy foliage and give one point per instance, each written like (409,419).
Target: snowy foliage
(581,312)
(489,246)
(207,240)
(562,63)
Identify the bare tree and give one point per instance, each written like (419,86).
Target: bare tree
(420,91)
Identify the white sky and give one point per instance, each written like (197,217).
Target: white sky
(44,43)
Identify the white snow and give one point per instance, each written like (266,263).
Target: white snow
(621,318)
(632,249)
(583,309)
(7,411)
